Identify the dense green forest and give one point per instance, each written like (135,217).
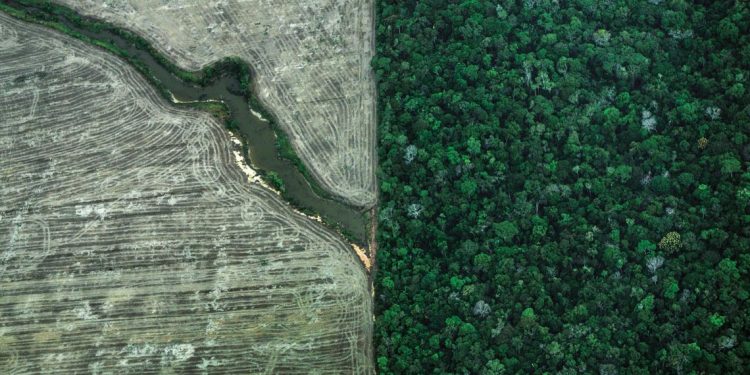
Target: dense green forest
(564,187)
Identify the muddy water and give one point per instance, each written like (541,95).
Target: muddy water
(258,133)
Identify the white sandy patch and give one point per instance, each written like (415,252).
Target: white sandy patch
(178,101)
(258,115)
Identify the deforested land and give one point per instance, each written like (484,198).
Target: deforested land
(133,242)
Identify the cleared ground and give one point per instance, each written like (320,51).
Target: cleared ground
(312,60)
(131,242)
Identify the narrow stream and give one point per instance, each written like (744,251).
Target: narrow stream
(258,133)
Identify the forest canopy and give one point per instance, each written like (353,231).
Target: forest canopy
(564,187)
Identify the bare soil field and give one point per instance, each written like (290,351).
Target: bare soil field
(131,242)
(312,61)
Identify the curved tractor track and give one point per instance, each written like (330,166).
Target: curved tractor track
(130,241)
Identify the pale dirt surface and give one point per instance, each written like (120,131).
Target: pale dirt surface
(312,59)
(131,242)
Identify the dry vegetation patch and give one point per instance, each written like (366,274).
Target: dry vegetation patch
(312,63)
(131,242)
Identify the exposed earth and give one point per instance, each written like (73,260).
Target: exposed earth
(131,241)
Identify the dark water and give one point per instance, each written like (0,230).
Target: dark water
(258,134)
